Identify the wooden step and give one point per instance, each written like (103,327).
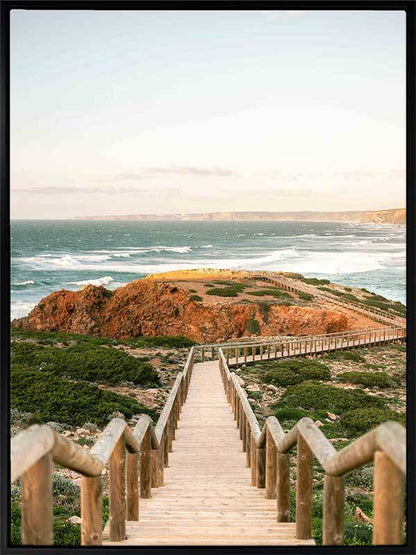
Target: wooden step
(207,498)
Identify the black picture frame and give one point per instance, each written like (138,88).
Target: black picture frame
(6,6)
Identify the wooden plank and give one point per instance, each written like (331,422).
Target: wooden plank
(118,491)
(388,501)
(37,519)
(207,496)
(333,526)
(91,510)
(304,491)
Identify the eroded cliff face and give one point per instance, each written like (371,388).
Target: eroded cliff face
(149,308)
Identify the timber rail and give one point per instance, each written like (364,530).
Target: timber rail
(287,346)
(136,459)
(291,284)
(268,454)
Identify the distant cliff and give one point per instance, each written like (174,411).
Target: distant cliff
(393,216)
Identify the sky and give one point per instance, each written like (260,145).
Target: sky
(140,112)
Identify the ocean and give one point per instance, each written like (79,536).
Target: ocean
(51,255)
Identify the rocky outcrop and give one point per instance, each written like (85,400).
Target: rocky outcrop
(150,307)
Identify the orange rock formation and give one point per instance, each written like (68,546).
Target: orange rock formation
(150,307)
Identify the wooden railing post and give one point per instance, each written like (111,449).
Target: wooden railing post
(271,469)
(253,450)
(118,491)
(37,517)
(388,501)
(304,491)
(146,466)
(248,445)
(333,525)
(283,487)
(91,510)
(132,486)
(243,432)
(261,467)
(166,447)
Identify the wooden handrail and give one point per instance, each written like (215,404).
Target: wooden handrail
(304,344)
(294,285)
(142,451)
(268,457)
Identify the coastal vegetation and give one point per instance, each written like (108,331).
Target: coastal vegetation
(346,393)
(76,384)
(86,362)
(48,397)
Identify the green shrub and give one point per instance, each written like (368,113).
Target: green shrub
(50,397)
(50,337)
(331,291)
(304,296)
(361,420)
(350,297)
(193,291)
(358,533)
(367,379)
(196,298)
(231,291)
(241,286)
(401,348)
(290,414)
(312,396)
(163,341)
(91,363)
(352,356)
(297,370)
(253,326)
(316,281)
(272,292)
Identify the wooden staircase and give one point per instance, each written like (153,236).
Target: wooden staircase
(206,473)
(207,498)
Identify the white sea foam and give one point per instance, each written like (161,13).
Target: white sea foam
(19,308)
(19,283)
(106,280)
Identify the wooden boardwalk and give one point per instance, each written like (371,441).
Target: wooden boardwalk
(207,498)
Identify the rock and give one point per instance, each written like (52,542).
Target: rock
(74,519)
(318,424)
(151,307)
(360,516)
(82,432)
(77,482)
(254,387)
(240,381)
(271,387)
(332,416)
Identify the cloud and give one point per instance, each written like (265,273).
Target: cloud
(152,172)
(101,190)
